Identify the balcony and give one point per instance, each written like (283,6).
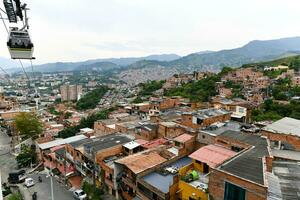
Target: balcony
(128,182)
(193,176)
(69,157)
(80,169)
(109,183)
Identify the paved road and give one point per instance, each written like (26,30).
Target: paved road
(43,189)
(7,161)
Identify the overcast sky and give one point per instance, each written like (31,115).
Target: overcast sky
(73,30)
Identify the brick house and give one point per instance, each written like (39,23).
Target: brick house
(241,177)
(133,166)
(205,117)
(147,131)
(284,134)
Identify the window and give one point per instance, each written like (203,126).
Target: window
(236,149)
(233,192)
(177,144)
(198,162)
(203,136)
(199,121)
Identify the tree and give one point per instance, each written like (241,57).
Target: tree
(87,122)
(91,99)
(196,91)
(27,156)
(28,125)
(138,99)
(16,196)
(150,87)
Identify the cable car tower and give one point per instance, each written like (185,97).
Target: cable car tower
(19,43)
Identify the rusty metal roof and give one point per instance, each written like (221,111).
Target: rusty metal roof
(212,155)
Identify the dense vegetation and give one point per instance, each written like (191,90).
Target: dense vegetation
(27,156)
(283,90)
(293,62)
(200,90)
(150,87)
(236,88)
(138,99)
(93,193)
(91,99)
(16,196)
(87,122)
(274,111)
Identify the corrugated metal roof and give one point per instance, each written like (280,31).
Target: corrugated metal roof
(285,125)
(140,162)
(183,138)
(248,164)
(131,145)
(58,142)
(212,155)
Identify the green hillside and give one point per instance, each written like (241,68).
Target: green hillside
(293,62)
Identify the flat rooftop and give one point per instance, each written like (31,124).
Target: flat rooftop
(58,142)
(108,141)
(80,142)
(248,164)
(218,128)
(287,125)
(288,174)
(163,182)
(210,112)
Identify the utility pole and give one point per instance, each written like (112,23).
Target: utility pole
(51,182)
(1,196)
(65,165)
(94,170)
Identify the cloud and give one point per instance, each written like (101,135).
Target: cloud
(72,30)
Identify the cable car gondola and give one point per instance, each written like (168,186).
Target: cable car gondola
(19,44)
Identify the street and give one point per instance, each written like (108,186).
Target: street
(43,189)
(8,164)
(7,161)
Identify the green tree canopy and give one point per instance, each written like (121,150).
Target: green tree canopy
(150,87)
(28,125)
(27,156)
(200,90)
(87,122)
(91,99)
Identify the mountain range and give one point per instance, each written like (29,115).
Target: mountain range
(254,51)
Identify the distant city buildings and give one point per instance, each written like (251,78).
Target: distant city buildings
(70,92)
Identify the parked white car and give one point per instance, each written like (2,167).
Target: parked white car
(29,182)
(79,195)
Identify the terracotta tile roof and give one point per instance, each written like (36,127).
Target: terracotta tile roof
(140,162)
(183,138)
(56,148)
(154,143)
(141,141)
(212,155)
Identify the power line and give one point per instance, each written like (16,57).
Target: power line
(6,75)
(4,23)
(3,11)
(24,71)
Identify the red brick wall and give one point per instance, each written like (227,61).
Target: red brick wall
(292,140)
(168,103)
(101,129)
(169,132)
(187,120)
(146,135)
(217,181)
(108,152)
